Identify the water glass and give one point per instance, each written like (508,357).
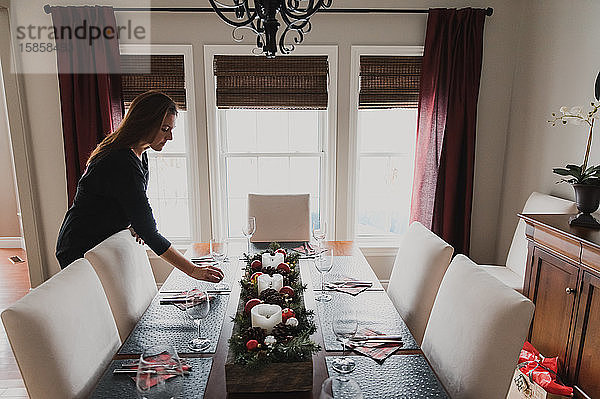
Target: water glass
(319,232)
(159,374)
(324,263)
(344,327)
(218,251)
(197,306)
(340,387)
(248,230)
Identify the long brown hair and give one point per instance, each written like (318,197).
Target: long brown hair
(141,124)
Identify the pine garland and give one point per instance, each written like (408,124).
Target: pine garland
(298,349)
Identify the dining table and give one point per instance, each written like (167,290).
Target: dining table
(404,374)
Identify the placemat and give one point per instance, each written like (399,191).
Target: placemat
(179,281)
(399,377)
(167,325)
(343,267)
(122,385)
(374,310)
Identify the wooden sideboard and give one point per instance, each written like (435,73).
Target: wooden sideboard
(562,278)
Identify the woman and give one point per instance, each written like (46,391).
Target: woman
(111,194)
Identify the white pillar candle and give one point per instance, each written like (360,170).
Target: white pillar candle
(265,316)
(265,281)
(269,260)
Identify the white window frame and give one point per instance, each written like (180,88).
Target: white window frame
(191,139)
(217,169)
(375,240)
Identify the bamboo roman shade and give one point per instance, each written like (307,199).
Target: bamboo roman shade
(291,82)
(141,73)
(389,82)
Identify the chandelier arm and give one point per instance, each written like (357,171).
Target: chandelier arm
(297,28)
(309,11)
(228,6)
(297,24)
(226,19)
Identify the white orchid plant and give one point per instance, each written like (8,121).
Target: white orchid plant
(576,174)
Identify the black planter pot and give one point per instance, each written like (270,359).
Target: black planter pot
(587,199)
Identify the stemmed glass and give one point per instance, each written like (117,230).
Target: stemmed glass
(340,387)
(248,230)
(319,232)
(157,374)
(344,327)
(197,306)
(324,263)
(218,251)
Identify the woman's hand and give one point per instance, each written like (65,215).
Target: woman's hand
(135,235)
(207,273)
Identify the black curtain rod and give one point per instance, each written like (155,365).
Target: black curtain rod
(488,11)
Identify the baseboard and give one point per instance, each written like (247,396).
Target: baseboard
(12,242)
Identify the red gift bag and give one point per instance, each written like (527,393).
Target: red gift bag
(542,370)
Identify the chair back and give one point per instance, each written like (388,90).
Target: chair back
(536,203)
(63,334)
(475,332)
(126,275)
(421,262)
(283,217)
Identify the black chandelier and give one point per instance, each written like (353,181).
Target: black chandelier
(263,20)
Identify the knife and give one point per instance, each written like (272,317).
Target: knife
(160,372)
(376,337)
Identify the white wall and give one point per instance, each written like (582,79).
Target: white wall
(9,222)
(558,63)
(42,110)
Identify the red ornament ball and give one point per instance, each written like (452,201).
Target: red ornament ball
(256,265)
(281,251)
(252,344)
(286,314)
(287,290)
(254,277)
(284,267)
(251,303)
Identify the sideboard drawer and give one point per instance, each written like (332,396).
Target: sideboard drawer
(565,246)
(590,256)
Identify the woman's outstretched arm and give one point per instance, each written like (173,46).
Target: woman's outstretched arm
(207,273)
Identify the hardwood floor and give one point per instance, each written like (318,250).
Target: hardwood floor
(14,284)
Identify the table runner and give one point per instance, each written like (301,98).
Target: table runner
(122,385)
(167,325)
(374,310)
(343,267)
(399,377)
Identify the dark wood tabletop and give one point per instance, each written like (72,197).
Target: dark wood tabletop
(216,387)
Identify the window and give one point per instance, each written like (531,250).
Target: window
(270,152)
(167,68)
(386,121)
(270,132)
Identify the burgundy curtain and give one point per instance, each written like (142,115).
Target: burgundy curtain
(89,80)
(445,153)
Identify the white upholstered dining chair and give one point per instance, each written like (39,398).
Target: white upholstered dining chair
(280,217)
(513,274)
(126,275)
(421,262)
(63,334)
(476,330)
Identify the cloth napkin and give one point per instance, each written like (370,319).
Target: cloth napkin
(349,289)
(307,249)
(149,380)
(376,351)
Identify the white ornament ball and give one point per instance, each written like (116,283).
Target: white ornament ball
(292,322)
(270,340)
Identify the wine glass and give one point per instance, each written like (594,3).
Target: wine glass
(344,327)
(319,232)
(340,387)
(159,373)
(324,263)
(248,230)
(218,251)
(197,306)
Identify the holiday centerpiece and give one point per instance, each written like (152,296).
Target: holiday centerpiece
(270,349)
(584,178)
